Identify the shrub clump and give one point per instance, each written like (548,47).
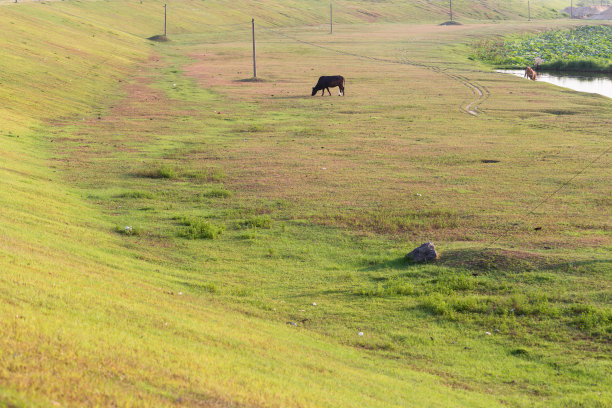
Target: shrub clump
(591,319)
(197,228)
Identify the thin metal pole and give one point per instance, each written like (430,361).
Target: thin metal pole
(451,9)
(572,9)
(165,17)
(331,19)
(254,64)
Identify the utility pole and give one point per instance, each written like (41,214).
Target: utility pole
(331,19)
(528,11)
(165,18)
(451,9)
(254,64)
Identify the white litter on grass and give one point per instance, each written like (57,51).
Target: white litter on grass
(418,195)
(323,168)
(360,334)
(314,303)
(180,293)
(173,84)
(488,333)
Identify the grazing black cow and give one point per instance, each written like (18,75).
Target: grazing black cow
(326,82)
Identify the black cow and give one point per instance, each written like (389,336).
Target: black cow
(326,82)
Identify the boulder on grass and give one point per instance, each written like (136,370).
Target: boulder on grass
(424,253)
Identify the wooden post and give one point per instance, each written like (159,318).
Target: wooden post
(572,9)
(165,17)
(254,64)
(451,9)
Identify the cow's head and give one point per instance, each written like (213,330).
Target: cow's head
(314,91)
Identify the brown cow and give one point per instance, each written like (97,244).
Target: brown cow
(530,73)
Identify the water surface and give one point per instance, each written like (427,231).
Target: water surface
(583,82)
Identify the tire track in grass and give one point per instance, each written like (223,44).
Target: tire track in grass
(480,92)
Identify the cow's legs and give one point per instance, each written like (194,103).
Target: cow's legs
(328,92)
(323,92)
(340,90)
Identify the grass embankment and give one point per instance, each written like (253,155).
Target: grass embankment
(584,49)
(310,200)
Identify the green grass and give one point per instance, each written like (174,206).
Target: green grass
(321,200)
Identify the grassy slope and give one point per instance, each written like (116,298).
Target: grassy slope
(78,300)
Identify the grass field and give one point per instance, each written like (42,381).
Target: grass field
(174,233)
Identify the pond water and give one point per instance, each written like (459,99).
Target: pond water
(583,82)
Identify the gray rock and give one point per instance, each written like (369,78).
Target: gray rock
(424,253)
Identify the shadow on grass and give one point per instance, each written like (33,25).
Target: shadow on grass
(514,261)
(159,38)
(252,79)
(292,97)
(484,259)
(400,263)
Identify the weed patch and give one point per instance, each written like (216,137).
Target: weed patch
(393,289)
(161,172)
(217,193)
(391,221)
(209,175)
(261,221)
(208,287)
(136,194)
